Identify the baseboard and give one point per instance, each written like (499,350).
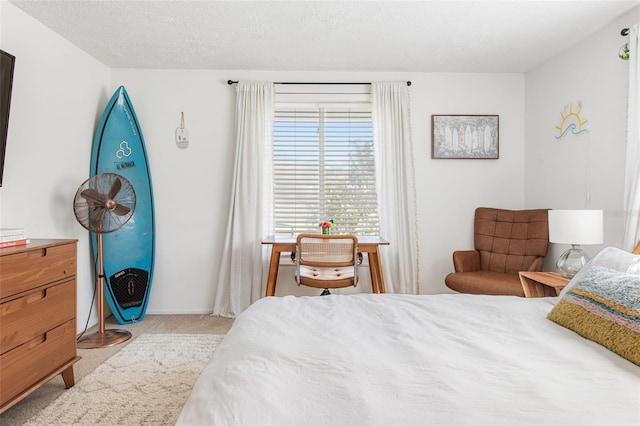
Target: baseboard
(179,311)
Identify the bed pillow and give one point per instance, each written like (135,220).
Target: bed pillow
(610,257)
(603,305)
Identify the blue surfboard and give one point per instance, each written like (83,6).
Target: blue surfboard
(128,252)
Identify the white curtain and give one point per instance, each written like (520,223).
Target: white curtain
(632,169)
(396,186)
(241,270)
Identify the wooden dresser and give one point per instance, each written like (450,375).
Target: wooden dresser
(37,317)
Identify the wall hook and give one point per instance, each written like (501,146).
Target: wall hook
(182,136)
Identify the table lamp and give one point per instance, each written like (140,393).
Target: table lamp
(574,227)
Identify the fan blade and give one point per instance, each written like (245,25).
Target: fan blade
(96,217)
(121,210)
(93,196)
(115,188)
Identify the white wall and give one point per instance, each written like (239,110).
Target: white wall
(192,186)
(58,94)
(585,171)
(450,190)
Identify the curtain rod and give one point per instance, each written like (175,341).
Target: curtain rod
(230,82)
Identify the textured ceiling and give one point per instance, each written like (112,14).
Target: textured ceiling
(472,36)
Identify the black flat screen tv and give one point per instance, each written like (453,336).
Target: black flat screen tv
(7,64)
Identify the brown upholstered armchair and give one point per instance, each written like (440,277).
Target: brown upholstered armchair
(506,242)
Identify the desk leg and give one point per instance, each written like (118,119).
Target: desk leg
(375,264)
(372,272)
(274,264)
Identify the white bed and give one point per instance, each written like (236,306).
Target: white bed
(372,359)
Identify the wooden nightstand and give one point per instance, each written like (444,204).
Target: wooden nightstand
(542,284)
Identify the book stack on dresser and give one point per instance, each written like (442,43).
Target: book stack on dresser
(10,237)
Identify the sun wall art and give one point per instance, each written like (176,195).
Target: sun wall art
(572,121)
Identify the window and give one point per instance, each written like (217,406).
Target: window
(323,160)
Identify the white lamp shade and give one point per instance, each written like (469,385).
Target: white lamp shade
(576,226)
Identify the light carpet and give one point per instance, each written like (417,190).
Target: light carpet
(147,382)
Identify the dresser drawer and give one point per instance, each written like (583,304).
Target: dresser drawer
(36,312)
(34,360)
(27,269)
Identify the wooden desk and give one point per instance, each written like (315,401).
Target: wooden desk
(366,244)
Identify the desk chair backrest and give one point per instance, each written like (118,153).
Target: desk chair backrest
(327,261)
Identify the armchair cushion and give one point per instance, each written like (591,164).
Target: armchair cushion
(485,282)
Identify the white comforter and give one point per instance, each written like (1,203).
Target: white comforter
(371,359)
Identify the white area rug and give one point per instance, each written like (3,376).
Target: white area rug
(147,382)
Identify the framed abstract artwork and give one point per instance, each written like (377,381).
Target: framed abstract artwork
(465,136)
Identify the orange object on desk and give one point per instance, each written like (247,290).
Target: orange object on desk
(287,244)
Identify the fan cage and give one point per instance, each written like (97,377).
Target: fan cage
(98,218)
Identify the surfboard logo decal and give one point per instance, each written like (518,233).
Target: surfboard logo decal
(124,150)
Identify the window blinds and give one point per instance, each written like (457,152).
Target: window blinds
(323,159)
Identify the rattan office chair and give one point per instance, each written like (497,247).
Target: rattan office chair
(327,261)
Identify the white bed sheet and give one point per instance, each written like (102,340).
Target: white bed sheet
(371,359)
